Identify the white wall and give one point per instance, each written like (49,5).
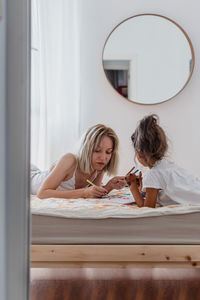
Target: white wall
(101,104)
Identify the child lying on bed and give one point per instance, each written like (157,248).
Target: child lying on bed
(165,183)
(68,178)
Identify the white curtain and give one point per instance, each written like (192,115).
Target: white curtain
(55,81)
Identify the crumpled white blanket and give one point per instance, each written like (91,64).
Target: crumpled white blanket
(116,205)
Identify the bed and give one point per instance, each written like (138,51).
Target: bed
(113,232)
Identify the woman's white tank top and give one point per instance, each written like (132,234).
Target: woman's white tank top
(38,177)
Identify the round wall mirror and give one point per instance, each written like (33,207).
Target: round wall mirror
(148,59)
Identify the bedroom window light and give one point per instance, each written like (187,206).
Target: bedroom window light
(55,82)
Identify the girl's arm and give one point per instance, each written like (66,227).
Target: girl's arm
(151,193)
(149,201)
(151,197)
(136,194)
(64,169)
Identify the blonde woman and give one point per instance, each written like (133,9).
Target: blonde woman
(98,155)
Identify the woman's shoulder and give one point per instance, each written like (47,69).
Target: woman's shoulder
(69,160)
(70,156)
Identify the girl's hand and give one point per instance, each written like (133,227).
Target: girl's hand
(131,179)
(117,182)
(135,185)
(139,181)
(95,192)
(134,181)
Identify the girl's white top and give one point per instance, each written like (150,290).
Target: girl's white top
(175,184)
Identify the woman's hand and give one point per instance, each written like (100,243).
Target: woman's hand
(117,182)
(95,192)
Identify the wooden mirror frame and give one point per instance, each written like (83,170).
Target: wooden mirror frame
(191,48)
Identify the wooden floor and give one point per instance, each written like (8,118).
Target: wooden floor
(115,284)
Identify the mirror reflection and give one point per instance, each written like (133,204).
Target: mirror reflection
(148,59)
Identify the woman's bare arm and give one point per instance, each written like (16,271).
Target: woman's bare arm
(65,168)
(117,182)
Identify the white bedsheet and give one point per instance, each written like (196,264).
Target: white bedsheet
(113,206)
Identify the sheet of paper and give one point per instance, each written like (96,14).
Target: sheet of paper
(122,196)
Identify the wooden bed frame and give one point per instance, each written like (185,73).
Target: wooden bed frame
(115,256)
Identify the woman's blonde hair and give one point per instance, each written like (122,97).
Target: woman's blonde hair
(91,142)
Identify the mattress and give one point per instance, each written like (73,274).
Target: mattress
(112,220)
